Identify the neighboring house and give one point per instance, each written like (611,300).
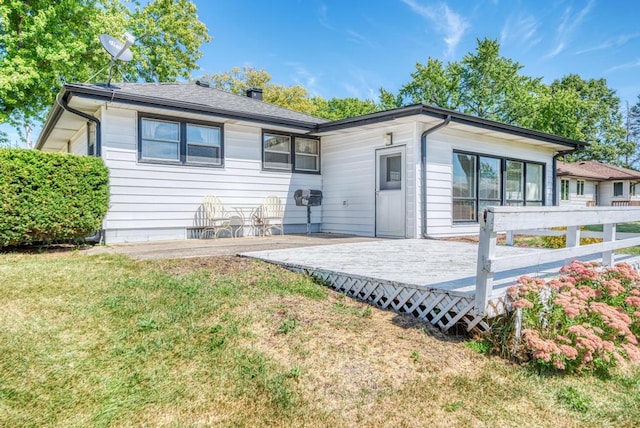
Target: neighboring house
(596,183)
(416,171)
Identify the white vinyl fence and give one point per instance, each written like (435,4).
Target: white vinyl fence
(533,221)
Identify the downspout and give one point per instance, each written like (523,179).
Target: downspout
(98,235)
(98,151)
(423,172)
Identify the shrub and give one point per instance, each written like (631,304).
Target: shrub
(561,241)
(586,319)
(50,196)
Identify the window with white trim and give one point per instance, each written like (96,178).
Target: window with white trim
(580,187)
(179,141)
(288,152)
(564,190)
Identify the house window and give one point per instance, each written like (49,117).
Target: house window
(464,187)
(489,183)
(483,181)
(564,190)
(203,144)
(617,189)
(632,189)
(534,184)
(580,188)
(286,152)
(307,155)
(179,141)
(515,183)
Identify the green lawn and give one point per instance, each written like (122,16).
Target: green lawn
(633,227)
(107,341)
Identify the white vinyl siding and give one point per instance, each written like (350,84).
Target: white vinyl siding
(349,168)
(157,201)
(573,198)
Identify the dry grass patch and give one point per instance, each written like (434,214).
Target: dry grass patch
(96,341)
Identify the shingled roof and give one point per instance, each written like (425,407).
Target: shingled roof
(195,95)
(595,170)
(190,97)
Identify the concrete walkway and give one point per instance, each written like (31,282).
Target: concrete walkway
(221,247)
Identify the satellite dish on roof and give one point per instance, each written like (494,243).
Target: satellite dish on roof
(119,51)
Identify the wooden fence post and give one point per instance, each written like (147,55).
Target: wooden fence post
(511,237)
(486,253)
(609,236)
(573,239)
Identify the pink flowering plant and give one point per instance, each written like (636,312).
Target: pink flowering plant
(588,318)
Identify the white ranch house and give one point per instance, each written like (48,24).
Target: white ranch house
(413,172)
(593,183)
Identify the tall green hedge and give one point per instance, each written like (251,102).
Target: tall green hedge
(48,197)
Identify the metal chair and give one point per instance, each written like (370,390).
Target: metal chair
(216,217)
(270,216)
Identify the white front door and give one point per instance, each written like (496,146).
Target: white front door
(390,192)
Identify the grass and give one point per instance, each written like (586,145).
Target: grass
(632,227)
(107,341)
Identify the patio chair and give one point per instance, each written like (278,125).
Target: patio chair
(216,217)
(270,216)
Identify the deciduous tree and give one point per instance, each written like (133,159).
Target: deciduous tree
(488,85)
(239,79)
(43,43)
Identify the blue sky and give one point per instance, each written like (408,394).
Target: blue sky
(351,48)
(339,48)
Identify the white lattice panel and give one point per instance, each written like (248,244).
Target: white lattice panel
(432,305)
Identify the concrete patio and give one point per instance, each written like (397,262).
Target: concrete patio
(221,247)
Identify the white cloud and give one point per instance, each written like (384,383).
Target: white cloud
(521,29)
(618,41)
(302,76)
(625,66)
(450,24)
(356,37)
(571,21)
(568,24)
(559,48)
(323,17)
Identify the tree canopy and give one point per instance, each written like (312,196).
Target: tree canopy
(488,85)
(297,97)
(44,43)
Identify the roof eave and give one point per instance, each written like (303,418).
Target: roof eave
(51,121)
(457,117)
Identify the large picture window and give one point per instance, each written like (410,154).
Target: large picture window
(179,141)
(287,152)
(482,181)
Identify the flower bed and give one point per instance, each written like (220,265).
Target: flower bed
(586,319)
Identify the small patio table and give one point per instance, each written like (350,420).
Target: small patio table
(246,215)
